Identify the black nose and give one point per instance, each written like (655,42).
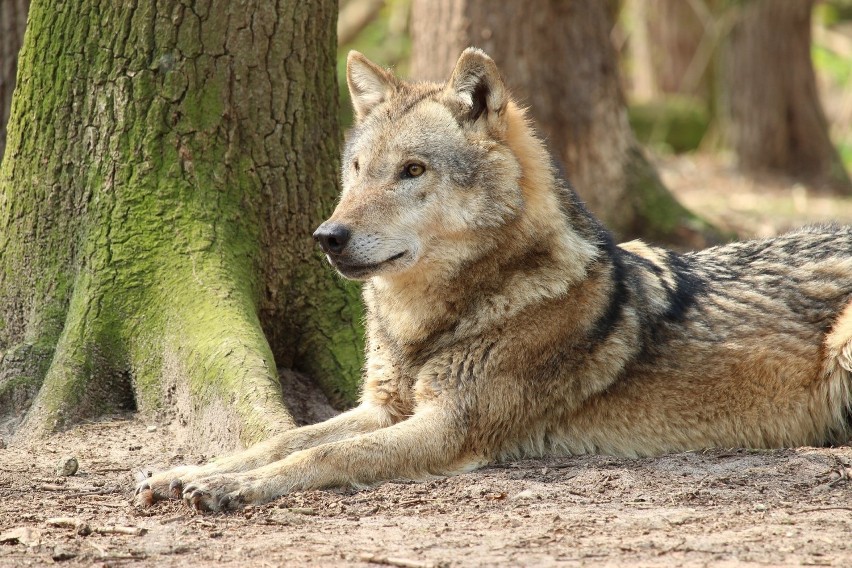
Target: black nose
(332,237)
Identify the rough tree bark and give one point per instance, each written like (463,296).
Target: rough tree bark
(776,123)
(166,165)
(557,57)
(13,23)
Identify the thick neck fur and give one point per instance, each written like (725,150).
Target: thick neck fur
(536,256)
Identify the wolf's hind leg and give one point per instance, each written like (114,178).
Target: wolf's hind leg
(359,420)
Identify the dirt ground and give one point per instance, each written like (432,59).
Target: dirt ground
(724,507)
(720,507)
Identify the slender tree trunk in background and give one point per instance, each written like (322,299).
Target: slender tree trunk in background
(354,16)
(13,23)
(557,58)
(665,44)
(772,115)
(165,168)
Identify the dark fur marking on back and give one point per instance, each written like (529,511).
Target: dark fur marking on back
(689,286)
(608,322)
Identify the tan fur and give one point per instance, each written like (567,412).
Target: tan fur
(503,322)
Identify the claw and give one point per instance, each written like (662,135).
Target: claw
(192,500)
(145,497)
(196,500)
(176,489)
(193,493)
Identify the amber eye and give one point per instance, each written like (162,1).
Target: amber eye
(414,170)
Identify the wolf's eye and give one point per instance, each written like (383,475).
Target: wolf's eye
(413,170)
(356,166)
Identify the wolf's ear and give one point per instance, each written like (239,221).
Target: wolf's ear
(477,83)
(368,83)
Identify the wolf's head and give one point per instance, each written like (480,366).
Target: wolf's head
(431,172)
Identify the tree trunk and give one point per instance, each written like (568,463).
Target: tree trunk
(165,168)
(557,58)
(772,115)
(671,51)
(13,22)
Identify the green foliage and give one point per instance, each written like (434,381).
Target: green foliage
(838,68)
(386,41)
(829,12)
(845,149)
(675,123)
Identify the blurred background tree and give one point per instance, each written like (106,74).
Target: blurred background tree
(748,66)
(771,114)
(670,48)
(13,23)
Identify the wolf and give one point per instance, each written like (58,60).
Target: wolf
(504,322)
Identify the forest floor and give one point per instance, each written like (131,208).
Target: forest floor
(722,507)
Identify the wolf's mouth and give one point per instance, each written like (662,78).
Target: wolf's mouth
(361,270)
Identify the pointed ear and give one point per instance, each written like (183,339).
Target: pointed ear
(368,83)
(477,83)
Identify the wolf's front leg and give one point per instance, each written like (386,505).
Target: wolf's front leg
(428,443)
(170,483)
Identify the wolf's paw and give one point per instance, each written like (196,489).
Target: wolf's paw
(167,484)
(222,492)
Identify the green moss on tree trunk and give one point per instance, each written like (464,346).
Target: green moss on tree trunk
(166,165)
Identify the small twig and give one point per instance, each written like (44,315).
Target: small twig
(116,529)
(86,492)
(83,528)
(131,556)
(823,509)
(80,491)
(400,562)
(112,505)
